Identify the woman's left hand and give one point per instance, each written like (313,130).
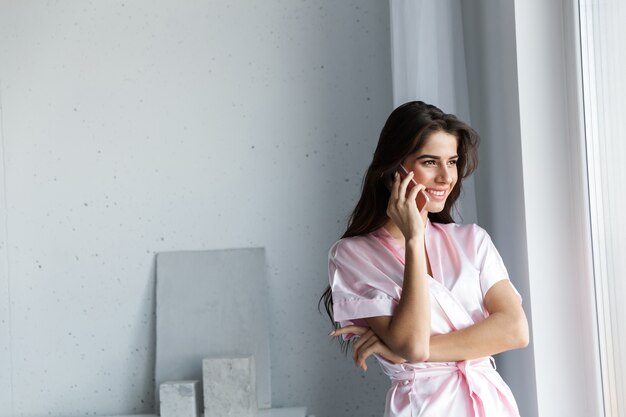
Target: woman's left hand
(366,345)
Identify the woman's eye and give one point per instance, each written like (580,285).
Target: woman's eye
(430,162)
(453,162)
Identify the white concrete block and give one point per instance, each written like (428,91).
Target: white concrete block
(283,412)
(133,415)
(229,387)
(180,399)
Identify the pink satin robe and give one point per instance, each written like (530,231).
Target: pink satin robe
(366,274)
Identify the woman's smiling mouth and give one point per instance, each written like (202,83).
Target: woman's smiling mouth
(438,194)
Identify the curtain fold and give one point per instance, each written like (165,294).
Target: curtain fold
(428,64)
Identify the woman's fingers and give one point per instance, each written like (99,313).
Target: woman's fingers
(362,347)
(366,350)
(361,341)
(367,344)
(412,196)
(398,195)
(402,210)
(395,187)
(399,186)
(357,330)
(403,187)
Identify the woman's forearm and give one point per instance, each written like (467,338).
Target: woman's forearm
(409,328)
(497,333)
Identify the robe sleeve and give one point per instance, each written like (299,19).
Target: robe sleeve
(490,262)
(359,288)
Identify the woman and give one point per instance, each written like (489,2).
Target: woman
(429,298)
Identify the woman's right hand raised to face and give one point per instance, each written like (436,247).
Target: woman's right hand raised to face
(402,208)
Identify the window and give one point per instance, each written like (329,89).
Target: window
(604,84)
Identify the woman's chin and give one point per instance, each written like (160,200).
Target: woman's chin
(436,207)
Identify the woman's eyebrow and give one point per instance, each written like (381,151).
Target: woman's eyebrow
(434,157)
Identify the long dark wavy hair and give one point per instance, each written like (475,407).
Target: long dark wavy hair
(405,132)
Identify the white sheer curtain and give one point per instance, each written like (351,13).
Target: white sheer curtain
(438,49)
(428,64)
(604,79)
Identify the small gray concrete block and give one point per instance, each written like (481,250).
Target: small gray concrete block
(229,386)
(180,399)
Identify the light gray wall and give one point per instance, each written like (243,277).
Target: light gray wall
(133,127)
(490,50)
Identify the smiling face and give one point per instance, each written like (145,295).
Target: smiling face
(434,166)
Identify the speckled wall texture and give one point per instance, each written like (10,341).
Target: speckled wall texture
(134,127)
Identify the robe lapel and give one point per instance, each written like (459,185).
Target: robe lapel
(444,263)
(457,316)
(450,305)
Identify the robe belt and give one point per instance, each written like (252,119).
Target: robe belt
(465,368)
(442,368)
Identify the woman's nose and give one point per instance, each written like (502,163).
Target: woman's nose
(444,176)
